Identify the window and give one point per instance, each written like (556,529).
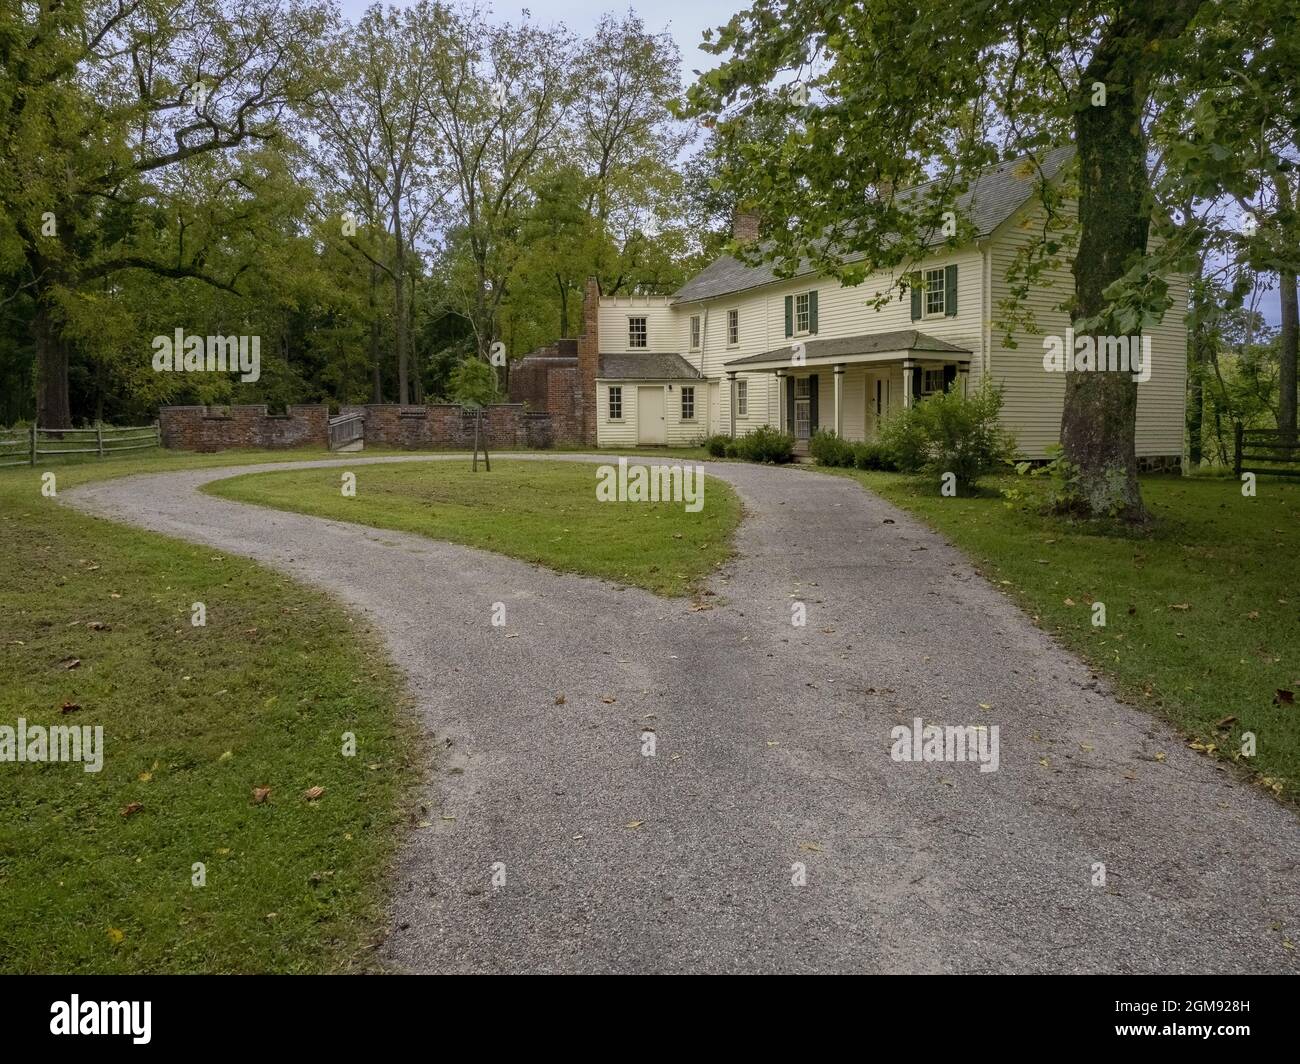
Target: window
(616,403)
(935,303)
(695,333)
(931,381)
(688,403)
(802,387)
(636,332)
(733,328)
(742,398)
(801,313)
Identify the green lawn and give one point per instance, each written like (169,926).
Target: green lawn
(543,512)
(1202,612)
(194,719)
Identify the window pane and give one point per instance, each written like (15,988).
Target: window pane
(742,398)
(615,403)
(688,404)
(733,326)
(934,293)
(636,332)
(801,319)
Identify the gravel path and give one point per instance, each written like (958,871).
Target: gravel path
(773,750)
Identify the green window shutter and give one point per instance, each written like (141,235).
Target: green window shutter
(812,311)
(917,282)
(916,384)
(812,403)
(950,291)
(789,405)
(789,315)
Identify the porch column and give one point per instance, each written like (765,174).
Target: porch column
(780,400)
(908,366)
(731,389)
(839,401)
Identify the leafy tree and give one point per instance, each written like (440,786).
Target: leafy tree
(883,94)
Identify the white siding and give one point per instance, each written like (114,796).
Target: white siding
(1033,398)
(625,434)
(662,326)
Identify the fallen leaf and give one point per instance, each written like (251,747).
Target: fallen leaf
(609,701)
(560,700)
(261,794)
(71,663)
(811,847)
(145,777)
(634,824)
(1180,605)
(132,809)
(70,707)
(312,793)
(1284,697)
(115,936)
(1225,724)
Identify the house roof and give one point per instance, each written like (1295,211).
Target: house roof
(645,366)
(989,200)
(868,344)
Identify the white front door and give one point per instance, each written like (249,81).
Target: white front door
(650,426)
(712,423)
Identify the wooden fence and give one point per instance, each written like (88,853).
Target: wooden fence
(1267,452)
(25,446)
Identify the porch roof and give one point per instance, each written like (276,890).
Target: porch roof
(870,347)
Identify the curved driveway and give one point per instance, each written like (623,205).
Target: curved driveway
(772,751)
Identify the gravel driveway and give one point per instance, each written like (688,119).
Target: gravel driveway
(772,752)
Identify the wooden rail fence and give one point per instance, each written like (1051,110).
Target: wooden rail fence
(1266,451)
(25,446)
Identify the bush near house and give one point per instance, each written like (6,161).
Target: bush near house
(829,450)
(766,444)
(716,445)
(951,433)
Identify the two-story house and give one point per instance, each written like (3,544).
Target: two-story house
(737,347)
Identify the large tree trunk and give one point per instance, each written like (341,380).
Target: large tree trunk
(1286,417)
(1098,423)
(399,306)
(1196,342)
(53,410)
(375,368)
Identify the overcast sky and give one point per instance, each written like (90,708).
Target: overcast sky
(686,20)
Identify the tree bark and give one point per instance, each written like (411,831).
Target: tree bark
(53,409)
(1196,342)
(1098,423)
(1286,416)
(375,368)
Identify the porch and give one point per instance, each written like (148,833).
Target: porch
(852,384)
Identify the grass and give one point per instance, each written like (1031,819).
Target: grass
(1202,611)
(194,718)
(541,512)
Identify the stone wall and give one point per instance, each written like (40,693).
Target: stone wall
(220,428)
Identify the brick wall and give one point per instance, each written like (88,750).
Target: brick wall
(448,425)
(589,359)
(206,429)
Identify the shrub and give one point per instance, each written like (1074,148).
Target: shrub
(828,449)
(766,444)
(950,433)
(472,383)
(716,445)
(732,449)
(872,456)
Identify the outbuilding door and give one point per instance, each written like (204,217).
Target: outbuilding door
(650,427)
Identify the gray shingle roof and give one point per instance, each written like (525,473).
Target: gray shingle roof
(645,366)
(867,344)
(988,202)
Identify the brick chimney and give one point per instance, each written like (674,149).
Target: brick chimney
(589,358)
(744,226)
